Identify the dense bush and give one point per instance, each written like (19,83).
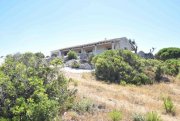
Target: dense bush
(172,67)
(90,58)
(39,55)
(169,67)
(158,73)
(72,55)
(168,53)
(30,90)
(120,65)
(124,66)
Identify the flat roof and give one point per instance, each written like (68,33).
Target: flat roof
(90,44)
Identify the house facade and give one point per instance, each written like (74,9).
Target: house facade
(96,47)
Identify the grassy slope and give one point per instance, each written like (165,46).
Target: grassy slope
(129,99)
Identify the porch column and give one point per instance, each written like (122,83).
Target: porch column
(59,54)
(113,46)
(51,54)
(95,49)
(82,50)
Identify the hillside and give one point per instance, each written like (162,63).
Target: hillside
(129,99)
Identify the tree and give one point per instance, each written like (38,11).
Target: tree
(134,45)
(30,90)
(168,53)
(72,55)
(39,55)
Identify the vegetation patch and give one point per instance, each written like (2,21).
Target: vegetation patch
(83,105)
(123,66)
(32,91)
(115,115)
(169,106)
(138,117)
(168,53)
(72,55)
(153,116)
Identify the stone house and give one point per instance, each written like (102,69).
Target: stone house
(95,48)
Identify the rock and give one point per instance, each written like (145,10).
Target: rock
(85,66)
(101,106)
(69,63)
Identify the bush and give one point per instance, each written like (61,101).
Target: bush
(122,65)
(159,72)
(138,117)
(30,90)
(172,67)
(118,65)
(90,58)
(169,106)
(75,64)
(123,83)
(56,61)
(39,55)
(82,106)
(115,115)
(153,116)
(168,53)
(72,55)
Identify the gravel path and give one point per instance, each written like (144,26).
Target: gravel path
(67,69)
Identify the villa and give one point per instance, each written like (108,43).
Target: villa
(96,47)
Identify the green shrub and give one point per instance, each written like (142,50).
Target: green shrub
(115,115)
(169,106)
(82,106)
(141,78)
(122,65)
(153,116)
(31,90)
(138,117)
(123,83)
(39,55)
(75,64)
(72,55)
(158,73)
(168,53)
(118,65)
(172,67)
(90,59)
(56,61)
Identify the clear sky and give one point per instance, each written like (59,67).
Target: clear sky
(45,25)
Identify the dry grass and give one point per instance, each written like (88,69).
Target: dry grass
(129,99)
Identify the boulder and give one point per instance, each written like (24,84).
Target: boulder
(86,66)
(69,63)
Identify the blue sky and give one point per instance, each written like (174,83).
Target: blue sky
(45,25)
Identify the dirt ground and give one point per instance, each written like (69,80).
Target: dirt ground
(129,99)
